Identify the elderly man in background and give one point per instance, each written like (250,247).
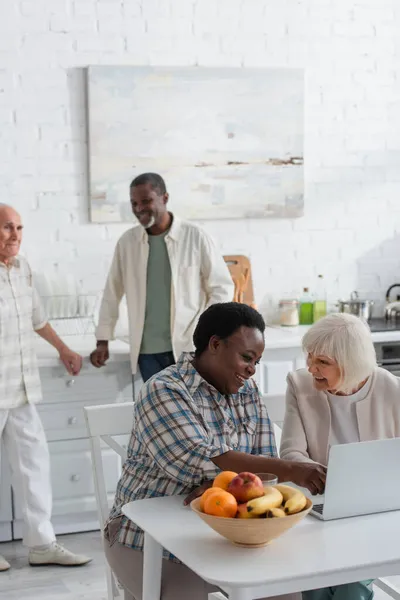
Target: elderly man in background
(20,427)
(170,271)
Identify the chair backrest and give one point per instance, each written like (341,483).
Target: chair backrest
(278,435)
(275,405)
(102,423)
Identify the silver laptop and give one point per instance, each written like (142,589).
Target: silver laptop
(362,479)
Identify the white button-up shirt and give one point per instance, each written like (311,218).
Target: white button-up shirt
(199,278)
(20,314)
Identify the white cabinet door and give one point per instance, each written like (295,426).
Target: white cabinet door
(112,383)
(5,500)
(274,375)
(66,420)
(275,366)
(271,378)
(74,501)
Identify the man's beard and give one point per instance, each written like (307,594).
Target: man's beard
(150,223)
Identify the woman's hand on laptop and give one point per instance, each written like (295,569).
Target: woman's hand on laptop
(310,475)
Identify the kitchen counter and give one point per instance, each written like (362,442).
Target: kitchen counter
(84,345)
(276,337)
(290,337)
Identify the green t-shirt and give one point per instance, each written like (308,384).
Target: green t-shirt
(157,323)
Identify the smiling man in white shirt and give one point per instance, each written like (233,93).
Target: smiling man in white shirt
(21,431)
(170,271)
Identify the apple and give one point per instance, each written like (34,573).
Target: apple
(242,512)
(246,486)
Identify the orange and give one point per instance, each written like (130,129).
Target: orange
(206,494)
(221,504)
(223,479)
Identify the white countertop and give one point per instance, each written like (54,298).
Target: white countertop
(83,344)
(290,337)
(276,337)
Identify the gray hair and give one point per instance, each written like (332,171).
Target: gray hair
(347,340)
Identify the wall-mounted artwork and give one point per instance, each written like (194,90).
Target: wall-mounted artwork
(228,142)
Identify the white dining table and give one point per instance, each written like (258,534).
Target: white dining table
(314,554)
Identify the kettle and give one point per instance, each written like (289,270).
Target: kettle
(392,309)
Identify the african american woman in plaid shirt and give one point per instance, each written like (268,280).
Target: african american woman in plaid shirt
(191,421)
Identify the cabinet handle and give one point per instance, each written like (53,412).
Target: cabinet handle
(72,421)
(75,477)
(70,382)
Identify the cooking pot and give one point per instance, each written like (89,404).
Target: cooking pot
(355,306)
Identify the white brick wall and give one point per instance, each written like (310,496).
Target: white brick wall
(351,52)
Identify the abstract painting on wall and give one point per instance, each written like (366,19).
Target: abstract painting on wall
(229,142)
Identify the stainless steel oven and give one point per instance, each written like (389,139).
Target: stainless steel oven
(388,356)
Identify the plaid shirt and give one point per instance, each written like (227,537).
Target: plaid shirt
(20,314)
(181,423)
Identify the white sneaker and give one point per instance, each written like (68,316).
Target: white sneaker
(4,564)
(56,554)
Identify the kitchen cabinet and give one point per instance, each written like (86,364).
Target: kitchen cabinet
(74,501)
(61,412)
(274,367)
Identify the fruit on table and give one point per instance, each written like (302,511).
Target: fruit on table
(294,500)
(243,496)
(243,513)
(221,504)
(275,512)
(223,479)
(246,486)
(272,498)
(206,494)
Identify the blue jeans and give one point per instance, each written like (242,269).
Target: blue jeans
(150,364)
(361,590)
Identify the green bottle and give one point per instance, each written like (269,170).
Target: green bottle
(306,308)
(320,299)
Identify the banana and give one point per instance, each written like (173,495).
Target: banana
(272,499)
(276,512)
(243,514)
(295,504)
(294,500)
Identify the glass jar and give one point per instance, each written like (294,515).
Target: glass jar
(289,313)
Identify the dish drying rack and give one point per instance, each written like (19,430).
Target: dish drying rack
(72,315)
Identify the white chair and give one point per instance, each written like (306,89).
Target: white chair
(278,435)
(104,422)
(388,588)
(275,405)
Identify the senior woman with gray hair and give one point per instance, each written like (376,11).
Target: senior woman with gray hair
(342,397)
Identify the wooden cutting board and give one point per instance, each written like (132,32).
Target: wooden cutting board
(240,270)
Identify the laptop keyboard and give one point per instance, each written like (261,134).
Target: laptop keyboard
(318,508)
